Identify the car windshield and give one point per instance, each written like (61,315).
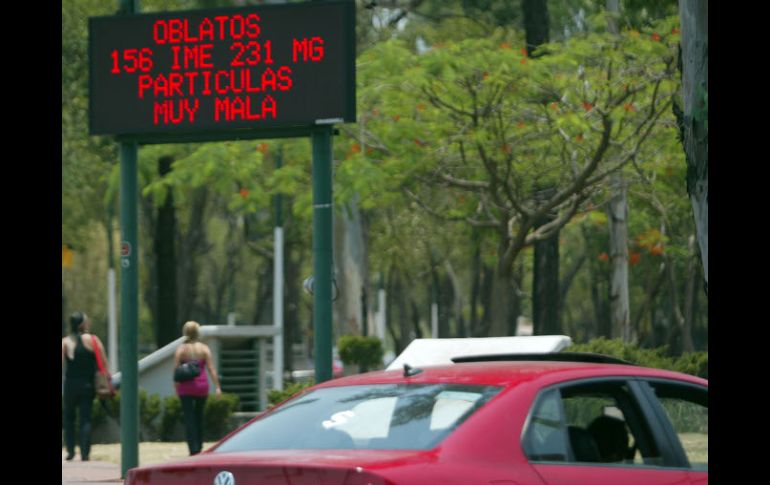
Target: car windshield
(377,417)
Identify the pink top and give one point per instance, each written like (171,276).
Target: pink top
(197,386)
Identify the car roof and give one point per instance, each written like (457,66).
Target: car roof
(506,374)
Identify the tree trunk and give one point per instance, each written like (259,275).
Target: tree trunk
(484,327)
(147,247)
(398,308)
(653,287)
(294,257)
(617,215)
(545,278)
(693,15)
(476,270)
(689,297)
(264,293)
(536,23)
(167,327)
(620,313)
(499,304)
(350,265)
(192,245)
(457,292)
(545,288)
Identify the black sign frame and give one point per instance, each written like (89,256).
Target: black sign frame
(344,110)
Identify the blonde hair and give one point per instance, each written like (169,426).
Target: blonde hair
(191,330)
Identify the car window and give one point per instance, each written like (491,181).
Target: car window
(545,437)
(364,417)
(687,410)
(599,422)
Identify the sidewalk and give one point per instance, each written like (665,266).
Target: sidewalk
(89,472)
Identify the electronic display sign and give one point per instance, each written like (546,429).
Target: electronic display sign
(223,70)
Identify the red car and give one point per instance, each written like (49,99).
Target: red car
(549,419)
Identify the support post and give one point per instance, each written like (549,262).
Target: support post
(322,252)
(278,287)
(129,272)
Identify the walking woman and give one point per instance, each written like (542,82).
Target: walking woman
(193,393)
(77,350)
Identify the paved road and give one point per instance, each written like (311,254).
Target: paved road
(89,472)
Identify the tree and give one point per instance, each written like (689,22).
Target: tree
(617,212)
(694,117)
(488,125)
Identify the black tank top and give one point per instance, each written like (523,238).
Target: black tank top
(82,367)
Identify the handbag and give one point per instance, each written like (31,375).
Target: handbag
(102,379)
(187,371)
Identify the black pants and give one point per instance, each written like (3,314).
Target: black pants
(78,398)
(192,409)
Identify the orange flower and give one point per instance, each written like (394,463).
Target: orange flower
(420,107)
(520,124)
(419,142)
(554,105)
(523,52)
(396,117)
(604,257)
(579,138)
(262,147)
(244,192)
(655,36)
(634,257)
(587,106)
(675,31)
(629,107)
(355,148)
(505,45)
(656,250)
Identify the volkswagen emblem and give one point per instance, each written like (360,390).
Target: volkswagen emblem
(224,478)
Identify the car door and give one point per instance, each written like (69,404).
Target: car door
(599,431)
(681,409)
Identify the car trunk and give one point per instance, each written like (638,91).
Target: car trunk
(296,467)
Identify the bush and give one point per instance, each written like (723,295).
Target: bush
(275,396)
(172,415)
(365,351)
(149,410)
(217,414)
(695,363)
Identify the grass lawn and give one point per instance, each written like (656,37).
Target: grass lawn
(149,452)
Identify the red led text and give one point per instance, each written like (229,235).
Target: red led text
(312,49)
(220,68)
(222,27)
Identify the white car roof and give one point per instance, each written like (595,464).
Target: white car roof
(439,351)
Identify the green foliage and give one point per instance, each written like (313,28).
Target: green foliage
(695,363)
(217,414)
(275,396)
(149,409)
(364,351)
(172,415)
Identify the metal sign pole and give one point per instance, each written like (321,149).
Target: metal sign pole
(129,303)
(322,252)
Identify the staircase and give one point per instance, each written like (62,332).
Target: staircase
(239,369)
